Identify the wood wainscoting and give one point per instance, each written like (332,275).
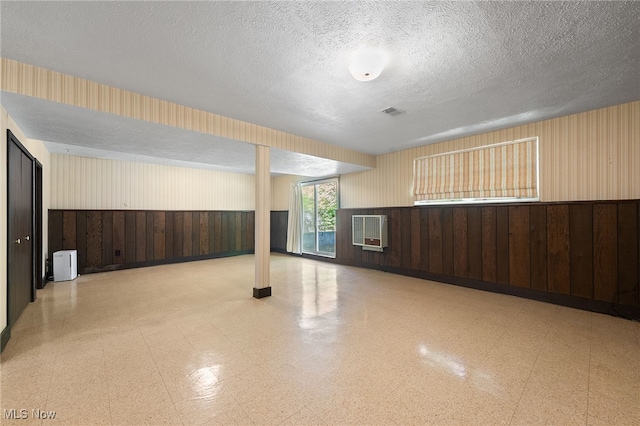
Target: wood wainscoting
(279,225)
(117,239)
(580,254)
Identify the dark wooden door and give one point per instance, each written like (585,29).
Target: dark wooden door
(20,286)
(37,241)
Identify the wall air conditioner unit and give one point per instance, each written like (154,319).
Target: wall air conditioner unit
(369,231)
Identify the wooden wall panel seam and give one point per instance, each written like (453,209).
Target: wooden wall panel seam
(489,241)
(558,249)
(502,245)
(474,247)
(605,255)
(538,217)
(581,228)
(628,263)
(519,246)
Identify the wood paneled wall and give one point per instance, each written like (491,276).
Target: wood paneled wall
(116,239)
(279,225)
(580,254)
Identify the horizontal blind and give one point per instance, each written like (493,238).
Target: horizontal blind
(507,169)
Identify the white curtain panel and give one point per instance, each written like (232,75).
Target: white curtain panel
(294,228)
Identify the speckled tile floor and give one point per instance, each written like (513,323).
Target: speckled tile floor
(187,344)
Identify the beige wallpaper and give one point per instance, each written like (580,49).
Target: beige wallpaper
(38,150)
(91,183)
(589,156)
(29,80)
(280,187)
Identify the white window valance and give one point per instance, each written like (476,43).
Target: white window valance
(507,170)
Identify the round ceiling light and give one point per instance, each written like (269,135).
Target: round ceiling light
(367,64)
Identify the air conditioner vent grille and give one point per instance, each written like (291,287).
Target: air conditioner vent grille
(369,231)
(392,111)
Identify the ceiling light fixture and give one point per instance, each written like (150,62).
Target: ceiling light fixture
(367,64)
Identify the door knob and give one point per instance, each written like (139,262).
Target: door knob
(18,241)
(28,238)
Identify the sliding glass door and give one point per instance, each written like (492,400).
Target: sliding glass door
(319,205)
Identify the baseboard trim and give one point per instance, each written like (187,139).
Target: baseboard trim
(4,337)
(120,266)
(609,308)
(42,283)
(599,306)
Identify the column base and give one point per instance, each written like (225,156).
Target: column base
(259,293)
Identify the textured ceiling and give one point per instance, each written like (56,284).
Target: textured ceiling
(107,136)
(455,68)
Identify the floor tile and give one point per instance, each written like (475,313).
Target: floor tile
(188,344)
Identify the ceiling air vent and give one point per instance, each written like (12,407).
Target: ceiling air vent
(392,111)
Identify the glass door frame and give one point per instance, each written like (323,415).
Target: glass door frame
(315,183)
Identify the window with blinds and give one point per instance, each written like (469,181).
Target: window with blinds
(506,171)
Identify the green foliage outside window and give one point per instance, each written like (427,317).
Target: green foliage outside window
(327,205)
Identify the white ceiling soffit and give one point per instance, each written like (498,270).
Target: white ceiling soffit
(455,68)
(77,131)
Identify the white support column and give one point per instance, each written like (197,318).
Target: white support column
(262,286)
